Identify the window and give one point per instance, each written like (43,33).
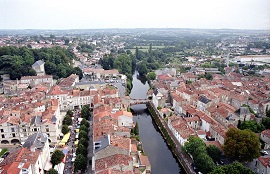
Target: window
(47,130)
(13,135)
(12,129)
(2,130)
(24,130)
(3,136)
(35,129)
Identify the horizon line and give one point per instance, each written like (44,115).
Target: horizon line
(133,28)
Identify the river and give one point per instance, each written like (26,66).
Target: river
(160,157)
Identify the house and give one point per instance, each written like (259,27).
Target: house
(39,141)
(265,137)
(36,80)
(263,165)
(180,129)
(203,103)
(218,132)
(158,99)
(38,66)
(23,160)
(124,118)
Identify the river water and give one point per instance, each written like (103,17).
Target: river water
(160,157)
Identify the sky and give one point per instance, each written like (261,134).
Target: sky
(95,14)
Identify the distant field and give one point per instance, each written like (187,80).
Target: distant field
(145,48)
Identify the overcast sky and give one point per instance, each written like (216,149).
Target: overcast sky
(89,14)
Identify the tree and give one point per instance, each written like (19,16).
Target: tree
(70,113)
(84,128)
(151,76)
(65,129)
(85,112)
(85,122)
(80,163)
(193,145)
(252,125)
(197,148)
(84,142)
(83,134)
(214,152)
(67,120)
(266,122)
(142,68)
(204,163)
(78,71)
(235,167)
(81,150)
(243,145)
(57,157)
(136,129)
(52,171)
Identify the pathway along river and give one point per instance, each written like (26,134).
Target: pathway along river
(160,157)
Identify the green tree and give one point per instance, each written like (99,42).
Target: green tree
(80,163)
(204,163)
(57,157)
(268,113)
(252,125)
(151,76)
(235,167)
(266,122)
(214,152)
(81,150)
(84,142)
(78,71)
(85,112)
(136,129)
(142,68)
(193,144)
(32,72)
(84,128)
(83,134)
(65,129)
(52,171)
(67,120)
(85,122)
(70,113)
(243,145)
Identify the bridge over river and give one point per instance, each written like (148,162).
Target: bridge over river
(138,101)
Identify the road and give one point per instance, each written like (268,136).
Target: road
(71,147)
(90,148)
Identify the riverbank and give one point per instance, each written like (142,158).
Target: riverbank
(171,141)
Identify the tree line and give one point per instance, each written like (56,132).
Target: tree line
(17,62)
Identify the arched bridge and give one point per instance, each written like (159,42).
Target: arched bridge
(138,101)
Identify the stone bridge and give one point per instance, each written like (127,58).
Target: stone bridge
(138,101)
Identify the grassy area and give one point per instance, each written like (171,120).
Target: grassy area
(145,48)
(3,151)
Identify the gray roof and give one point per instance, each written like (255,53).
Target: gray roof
(53,119)
(244,111)
(102,143)
(37,140)
(36,120)
(204,99)
(38,63)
